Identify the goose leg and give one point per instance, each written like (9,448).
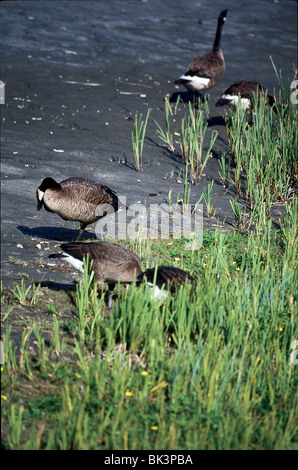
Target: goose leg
(79,235)
(198,98)
(82,228)
(111,290)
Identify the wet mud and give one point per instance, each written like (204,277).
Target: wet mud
(75,75)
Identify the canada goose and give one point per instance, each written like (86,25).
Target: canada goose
(246,90)
(78,199)
(110,262)
(167,277)
(205,71)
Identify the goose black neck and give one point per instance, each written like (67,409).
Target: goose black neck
(217,41)
(49,183)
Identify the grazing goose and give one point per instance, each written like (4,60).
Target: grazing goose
(245,90)
(110,262)
(78,199)
(204,71)
(166,276)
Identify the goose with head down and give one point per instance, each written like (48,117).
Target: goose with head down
(77,199)
(165,279)
(245,91)
(111,263)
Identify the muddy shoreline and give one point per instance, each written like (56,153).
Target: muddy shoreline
(76,73)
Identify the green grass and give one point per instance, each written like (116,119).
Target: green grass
(166,136)
(193,131)
(203,371)
(192,136)
(265,155)
(138,137)
(21,292)
(207,369)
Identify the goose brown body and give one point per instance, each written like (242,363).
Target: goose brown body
(167,276)
(111,263)
(205,71)
(77,199)
(246,90)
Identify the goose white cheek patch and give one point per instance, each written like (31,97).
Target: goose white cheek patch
(157,293)
(40,194)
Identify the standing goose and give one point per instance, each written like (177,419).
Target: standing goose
(78,199)
(166,277)
(245,90)
(205,71)
(110,262)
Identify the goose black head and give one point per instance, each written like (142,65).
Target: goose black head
(223,14)
(47,183)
